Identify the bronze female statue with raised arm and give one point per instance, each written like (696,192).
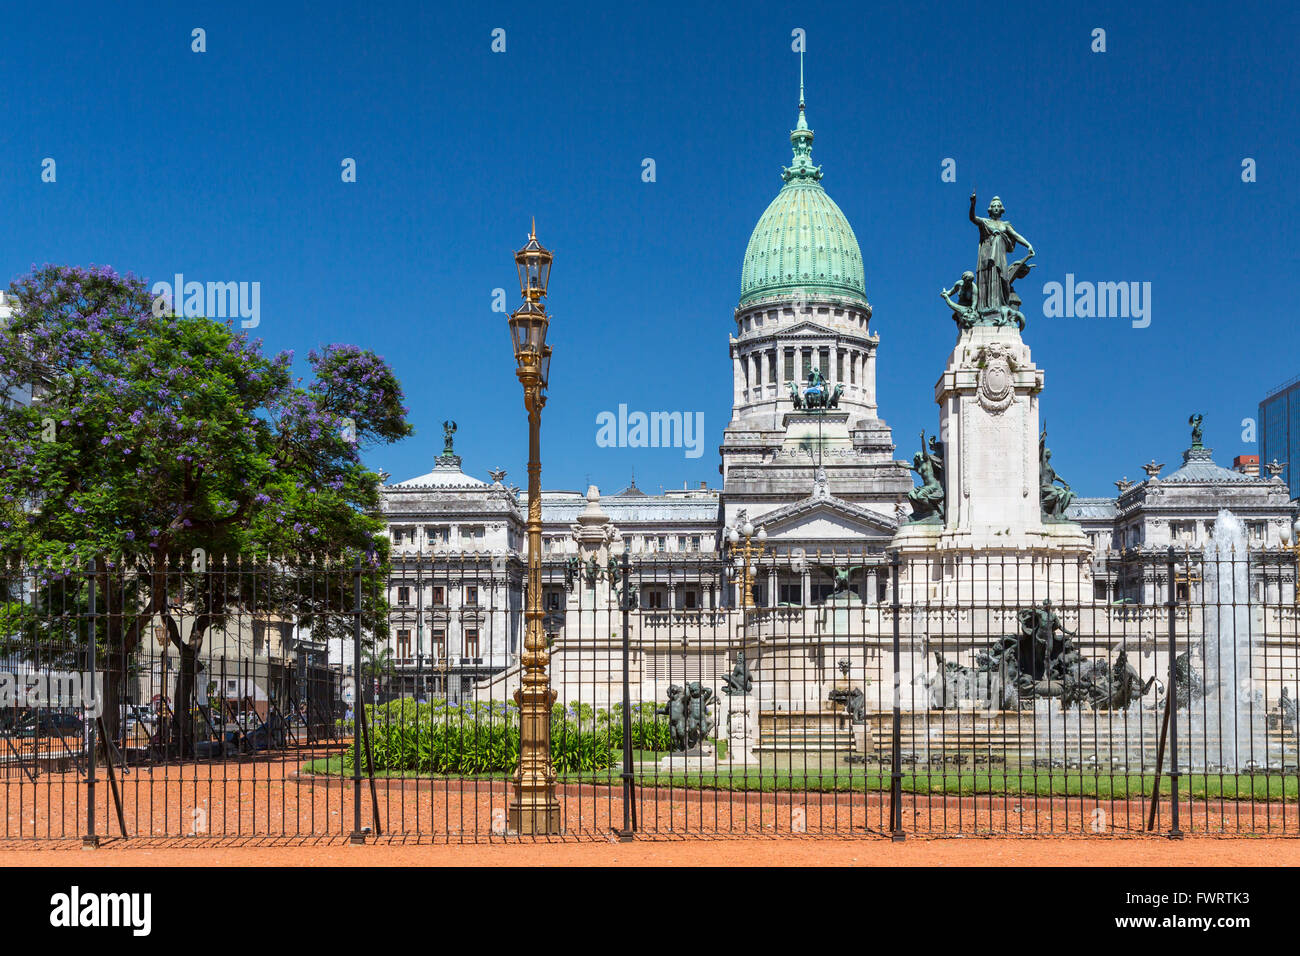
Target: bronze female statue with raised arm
(993,276)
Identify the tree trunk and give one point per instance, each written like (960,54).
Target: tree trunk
(114,692)
(183,723)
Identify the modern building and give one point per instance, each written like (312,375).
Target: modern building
(1279,432)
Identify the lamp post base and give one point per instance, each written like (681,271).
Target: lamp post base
(538,820)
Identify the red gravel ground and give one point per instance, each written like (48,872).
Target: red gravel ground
(1054,851)
(262,812)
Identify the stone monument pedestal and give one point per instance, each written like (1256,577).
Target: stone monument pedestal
(742,729)
(994,545)
(694,760)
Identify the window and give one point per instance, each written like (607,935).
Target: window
(789,365)
(654,599)
(662,543)
(439,595)
(791,592)
(471,642)
(403,595)
(690,600)
(397,536)
(438,534)
(681,542)
(552,601)
(403,643)
(471,595)
(695,542)
(439,642)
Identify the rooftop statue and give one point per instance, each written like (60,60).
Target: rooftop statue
(448,429)
(1198,432)
(996,301)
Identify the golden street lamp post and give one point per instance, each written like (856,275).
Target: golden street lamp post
(749,554)
(534,810)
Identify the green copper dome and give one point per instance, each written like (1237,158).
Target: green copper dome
(802,240)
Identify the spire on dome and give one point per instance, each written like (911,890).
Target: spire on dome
(801,139)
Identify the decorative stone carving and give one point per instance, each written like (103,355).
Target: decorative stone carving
(995,390)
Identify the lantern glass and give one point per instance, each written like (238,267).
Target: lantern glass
(546,365)
(528,329)
(534,265)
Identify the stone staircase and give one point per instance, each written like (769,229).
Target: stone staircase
(819,732)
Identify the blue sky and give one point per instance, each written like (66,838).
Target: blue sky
(1118,166)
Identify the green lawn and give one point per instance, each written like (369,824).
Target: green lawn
(1032,782)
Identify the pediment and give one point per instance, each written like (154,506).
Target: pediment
(827,518)
(809,328)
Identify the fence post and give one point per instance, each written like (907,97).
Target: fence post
(896,734)
(358,701)
(629,791)
(1172,604)
(90,840)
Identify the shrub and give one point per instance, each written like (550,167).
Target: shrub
(473,738)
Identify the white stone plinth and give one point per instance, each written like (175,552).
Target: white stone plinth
(742,729)
(994,543)
(693,762)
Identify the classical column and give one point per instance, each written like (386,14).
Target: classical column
(869,379)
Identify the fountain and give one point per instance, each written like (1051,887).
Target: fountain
(1231,731)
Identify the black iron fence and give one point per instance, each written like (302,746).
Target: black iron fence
(848,693)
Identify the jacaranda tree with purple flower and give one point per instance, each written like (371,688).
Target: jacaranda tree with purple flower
(161,447)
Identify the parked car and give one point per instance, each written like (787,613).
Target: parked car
(49,725)
(140,714)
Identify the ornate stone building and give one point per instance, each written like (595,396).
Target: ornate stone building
(814,477)
(1178,510)
(820,479)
